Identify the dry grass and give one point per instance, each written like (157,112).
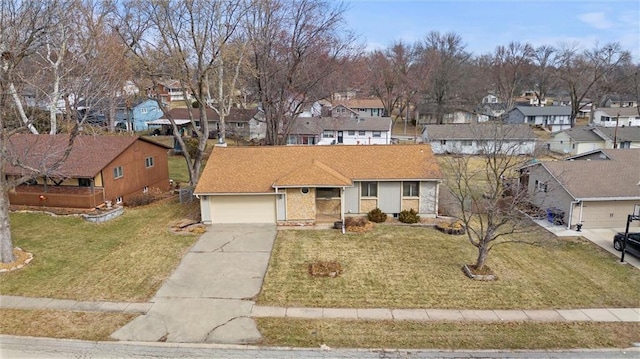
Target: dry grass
(412,267)
(61,324)
(438,335)
(126,259)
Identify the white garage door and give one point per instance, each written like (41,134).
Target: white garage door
(243,209)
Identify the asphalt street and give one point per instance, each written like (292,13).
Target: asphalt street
(25,347)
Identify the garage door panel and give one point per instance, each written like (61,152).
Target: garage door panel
(611,214)
(243,209)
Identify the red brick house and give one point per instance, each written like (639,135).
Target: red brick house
(98,169)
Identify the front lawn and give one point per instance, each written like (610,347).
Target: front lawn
(412,267)
(126,259)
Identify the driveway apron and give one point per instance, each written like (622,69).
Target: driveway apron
(209,297)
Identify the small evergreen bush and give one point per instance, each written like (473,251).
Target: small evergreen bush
(410,216)
(376,215)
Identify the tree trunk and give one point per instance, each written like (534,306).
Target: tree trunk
(483,252)
(6,244)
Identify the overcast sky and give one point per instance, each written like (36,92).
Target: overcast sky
(485,24)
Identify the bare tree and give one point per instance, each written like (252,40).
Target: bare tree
(295,46)
(446,56)
(24,38)
(579,71)
(483,195)
(184,41)
(392,76)
(510,66)
(541,77)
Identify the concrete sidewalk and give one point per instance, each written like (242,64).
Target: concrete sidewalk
(17,302)
(560,315)
(251,310)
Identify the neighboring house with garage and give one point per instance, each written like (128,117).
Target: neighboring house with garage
(98,169)
(473,139)
(597,189)
(310,184)
(583,139)
(340,130)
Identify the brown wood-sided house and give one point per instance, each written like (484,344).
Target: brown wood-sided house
(98,169)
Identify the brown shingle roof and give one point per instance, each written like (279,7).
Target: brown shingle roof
(256,169)
(89,155)
(615,178)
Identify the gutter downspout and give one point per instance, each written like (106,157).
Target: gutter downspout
(571,213)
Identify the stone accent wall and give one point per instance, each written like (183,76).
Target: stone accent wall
(301,206)
(328,206)
(407,204)
(366,205)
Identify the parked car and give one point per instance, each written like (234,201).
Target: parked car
(633,242)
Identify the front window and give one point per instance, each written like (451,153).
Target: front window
(352,133)
(327,134)
(240,124)
(369,189)
(291,140)
(377,134)
(84,182)
(118,172)
(410,189)
(362,133)
(327,192)
(148,162)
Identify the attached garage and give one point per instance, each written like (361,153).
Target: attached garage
(606,214)
(242,209)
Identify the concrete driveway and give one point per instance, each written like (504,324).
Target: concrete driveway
(208,298)
(603,237)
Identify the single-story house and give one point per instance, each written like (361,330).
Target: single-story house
(243,123)
(616,116)
(98,169)
(553,118)
(341,130)
(473,139)
(615,100)
(309,184)
(583,139)
(369,107)
(597,189)
(426,114)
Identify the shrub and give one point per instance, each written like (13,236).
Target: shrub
(410,216)
(376,215)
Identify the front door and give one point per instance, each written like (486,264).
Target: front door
(340,137)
